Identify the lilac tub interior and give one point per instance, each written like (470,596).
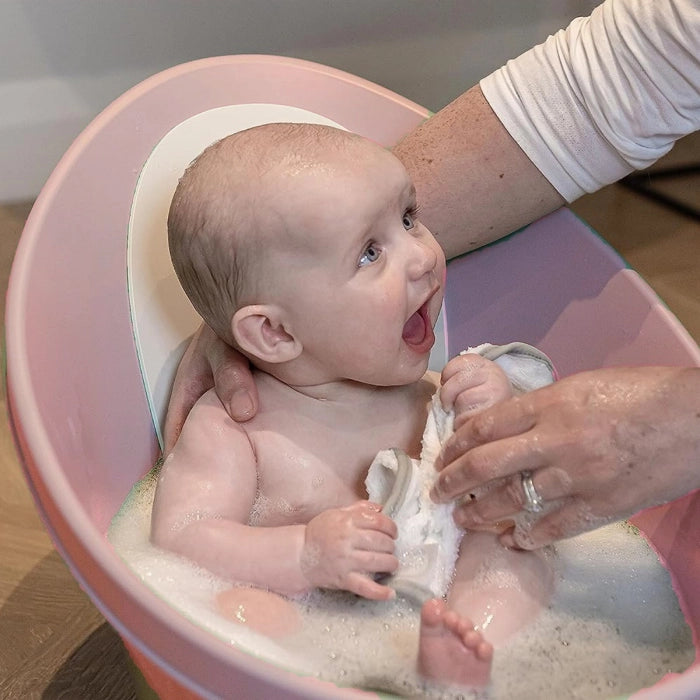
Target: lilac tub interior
(78,405)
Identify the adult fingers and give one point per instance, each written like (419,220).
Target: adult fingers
(233,381)
(486,463)
(505,419)
(193,378)
(571,518)
(507,497)
(178,409)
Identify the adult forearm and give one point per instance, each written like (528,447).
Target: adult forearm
(474,183)
(609,94)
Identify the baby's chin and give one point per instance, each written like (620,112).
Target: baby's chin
(405,375)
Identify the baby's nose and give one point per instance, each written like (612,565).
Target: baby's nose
(423,259)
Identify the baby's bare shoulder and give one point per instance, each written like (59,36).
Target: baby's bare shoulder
(208,426)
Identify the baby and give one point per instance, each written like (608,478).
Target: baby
(300,245)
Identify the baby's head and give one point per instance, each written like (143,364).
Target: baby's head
(219,225)
(279,234)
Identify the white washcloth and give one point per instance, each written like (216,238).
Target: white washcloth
(428,540)
(526,367)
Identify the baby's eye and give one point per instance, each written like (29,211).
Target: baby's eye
(371,254)
(408,220)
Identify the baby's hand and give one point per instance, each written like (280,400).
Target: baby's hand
(471,383)
(345,547)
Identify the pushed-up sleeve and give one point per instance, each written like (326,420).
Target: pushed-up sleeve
(609,94)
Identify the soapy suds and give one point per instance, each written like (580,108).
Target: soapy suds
(614,624)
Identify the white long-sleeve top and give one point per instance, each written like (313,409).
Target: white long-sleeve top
(609,94)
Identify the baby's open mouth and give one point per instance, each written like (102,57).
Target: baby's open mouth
(418,331)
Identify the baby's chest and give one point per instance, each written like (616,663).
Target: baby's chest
(296,484)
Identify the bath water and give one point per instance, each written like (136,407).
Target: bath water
(613,626)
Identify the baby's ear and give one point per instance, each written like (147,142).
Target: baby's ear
(260,331)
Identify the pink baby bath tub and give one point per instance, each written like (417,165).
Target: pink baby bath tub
(91,346)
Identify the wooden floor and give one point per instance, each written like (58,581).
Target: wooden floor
(54,643)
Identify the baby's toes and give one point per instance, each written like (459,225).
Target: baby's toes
(471,638)
(433,614)
(474,641)
(483,651)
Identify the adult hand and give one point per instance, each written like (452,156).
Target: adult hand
(207,362)
(600,445)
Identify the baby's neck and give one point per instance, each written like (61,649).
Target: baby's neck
(366,417)
(338,392)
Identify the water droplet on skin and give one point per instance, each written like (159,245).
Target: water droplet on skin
(240,614)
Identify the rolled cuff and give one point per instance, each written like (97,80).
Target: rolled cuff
(608,95)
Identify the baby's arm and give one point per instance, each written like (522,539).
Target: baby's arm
(203,500)
(471,383)
(206,491)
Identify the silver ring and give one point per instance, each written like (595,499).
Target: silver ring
(533,500)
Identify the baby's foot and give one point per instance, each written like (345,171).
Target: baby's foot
(450,650)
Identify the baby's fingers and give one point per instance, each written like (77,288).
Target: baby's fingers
(475,399)
(369,517)
(361,580)
(457,382)
(374,541)
(466,364)
(375,562)
(365,586)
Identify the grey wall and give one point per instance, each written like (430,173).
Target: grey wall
(63,61)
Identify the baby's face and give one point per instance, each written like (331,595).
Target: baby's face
(361,276)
